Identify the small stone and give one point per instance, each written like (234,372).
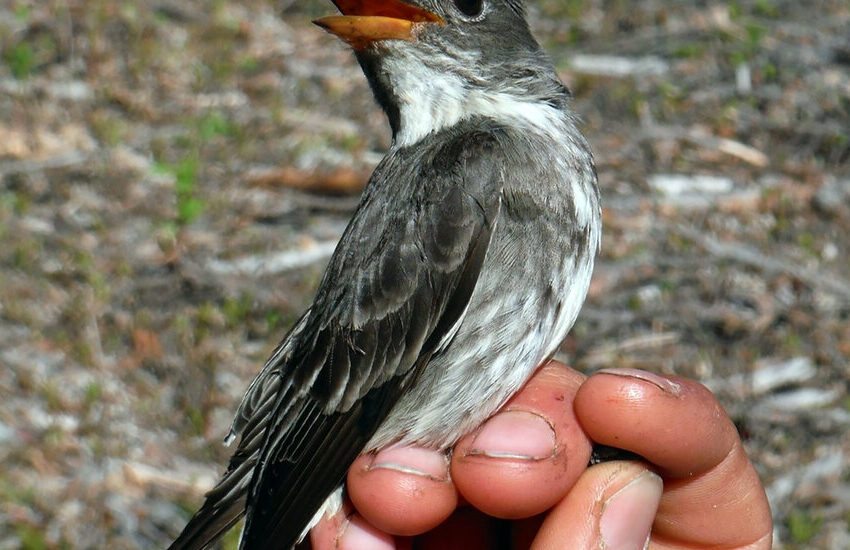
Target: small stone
(833,196)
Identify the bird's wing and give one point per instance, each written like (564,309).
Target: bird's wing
(398,282)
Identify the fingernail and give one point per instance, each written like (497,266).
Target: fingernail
(664,384)
(358,535)
(628,514)
(515,434)
(413,460)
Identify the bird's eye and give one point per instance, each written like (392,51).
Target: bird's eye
(470,8)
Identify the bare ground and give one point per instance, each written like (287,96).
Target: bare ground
(173,175)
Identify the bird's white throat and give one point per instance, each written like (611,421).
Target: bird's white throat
(430,99)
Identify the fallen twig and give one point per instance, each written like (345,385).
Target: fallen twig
(606,353)
(50,163)
(143,475)
(277,262)
(731,147)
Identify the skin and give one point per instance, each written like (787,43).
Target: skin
(711,496)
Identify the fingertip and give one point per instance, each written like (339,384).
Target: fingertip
(612,505)
(508,476)
(402,490)
(525,458)
(358,534)
(673,422)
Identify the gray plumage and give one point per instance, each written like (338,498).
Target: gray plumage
(461,271)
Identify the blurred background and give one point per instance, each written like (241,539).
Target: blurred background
(174,175)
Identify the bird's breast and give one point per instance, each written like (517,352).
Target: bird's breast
(533,282)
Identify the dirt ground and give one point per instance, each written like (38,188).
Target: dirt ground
(175,173)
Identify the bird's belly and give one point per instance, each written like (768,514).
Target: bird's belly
(525,302)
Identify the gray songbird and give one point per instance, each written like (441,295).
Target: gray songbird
(462,270)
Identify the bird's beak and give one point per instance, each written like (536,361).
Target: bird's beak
(364,22)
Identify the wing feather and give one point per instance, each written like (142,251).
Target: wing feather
(397,285)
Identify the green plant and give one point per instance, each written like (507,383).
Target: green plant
(803,525)
(31,538)
(214,124)
(21,59)
(189,204)
(765,8)
(237,310)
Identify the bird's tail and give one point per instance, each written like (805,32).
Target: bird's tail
(224,505)
(208,525)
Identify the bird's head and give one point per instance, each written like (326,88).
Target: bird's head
(433,63)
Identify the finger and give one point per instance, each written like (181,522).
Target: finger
(525,458)
(712,493)
(612,505)
(352,532)
(402,490)
(324,534)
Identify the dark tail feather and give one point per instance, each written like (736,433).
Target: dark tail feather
(225,503)
(208,525)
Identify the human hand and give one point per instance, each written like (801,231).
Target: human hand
(531,458)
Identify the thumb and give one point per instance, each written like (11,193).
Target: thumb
(612,505)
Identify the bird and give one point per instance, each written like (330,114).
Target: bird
(462,270)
